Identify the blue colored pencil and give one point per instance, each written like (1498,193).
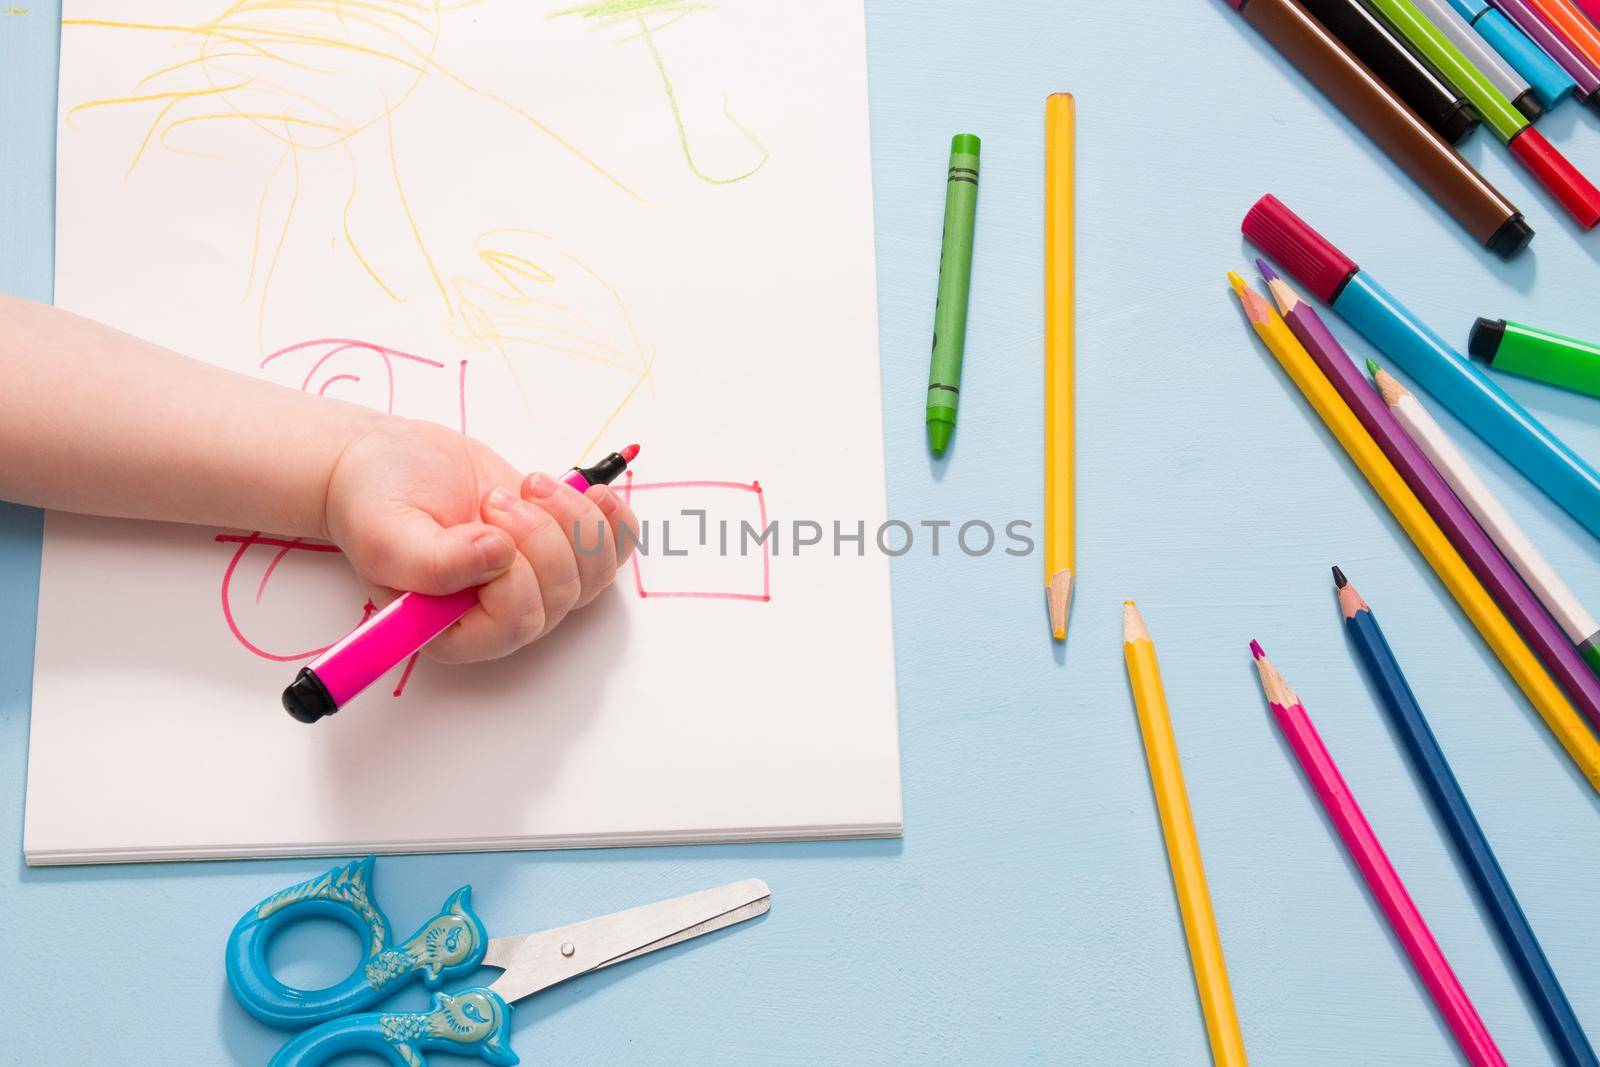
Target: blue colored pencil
(1473,847)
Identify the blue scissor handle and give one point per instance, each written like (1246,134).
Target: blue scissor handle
(451,943)
(471,1022)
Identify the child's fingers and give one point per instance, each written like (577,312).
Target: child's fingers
(542,543)
(585,528)
(410,550)
(508,615)
(624,524)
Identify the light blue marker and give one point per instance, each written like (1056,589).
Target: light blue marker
(1550,82)
(1473,398)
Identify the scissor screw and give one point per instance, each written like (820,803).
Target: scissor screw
(567,948)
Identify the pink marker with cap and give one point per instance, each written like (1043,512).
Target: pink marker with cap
(384,641)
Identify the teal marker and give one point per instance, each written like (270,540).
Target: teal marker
(955,279)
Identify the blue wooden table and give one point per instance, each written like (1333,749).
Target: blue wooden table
(1027,915)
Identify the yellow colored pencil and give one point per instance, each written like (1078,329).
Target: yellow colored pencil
(1060,535)
(1475,601)
(1183,846)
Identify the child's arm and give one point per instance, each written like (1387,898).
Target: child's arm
(93,420)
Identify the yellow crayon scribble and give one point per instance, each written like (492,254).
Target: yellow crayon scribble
(635,14)
(546,130)
(416,232)
(644,375)
(272,267)
(261,207)
(350,237)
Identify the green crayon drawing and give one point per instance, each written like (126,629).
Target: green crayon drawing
(637,16)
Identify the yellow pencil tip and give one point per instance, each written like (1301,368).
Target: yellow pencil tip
(1237,282)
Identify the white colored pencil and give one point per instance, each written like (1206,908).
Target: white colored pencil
(1541,577)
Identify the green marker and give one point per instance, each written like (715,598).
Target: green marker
(1532,353)
(1490,103)
(955,278)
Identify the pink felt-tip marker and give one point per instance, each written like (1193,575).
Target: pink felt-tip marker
(380,644)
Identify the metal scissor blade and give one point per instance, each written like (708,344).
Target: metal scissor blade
(538,961)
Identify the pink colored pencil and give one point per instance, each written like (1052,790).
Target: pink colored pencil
(1385,884)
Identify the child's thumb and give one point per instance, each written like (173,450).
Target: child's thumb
(423,557)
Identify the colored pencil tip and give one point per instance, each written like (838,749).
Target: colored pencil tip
(1058,597)
(629,452)
(1237,282)
(1255,649)
(1373,368)
(1267,273)
(1339,579)
(1133,627)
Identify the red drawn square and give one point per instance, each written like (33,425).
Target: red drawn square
(748,577)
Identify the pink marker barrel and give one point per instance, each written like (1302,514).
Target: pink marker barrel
(389,637)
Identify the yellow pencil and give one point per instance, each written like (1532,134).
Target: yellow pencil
(1060,540)
(1524,668)
(1183,847)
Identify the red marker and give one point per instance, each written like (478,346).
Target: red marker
(380,644)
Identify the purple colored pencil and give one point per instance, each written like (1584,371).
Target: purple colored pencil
(1547,37)
(1503,583)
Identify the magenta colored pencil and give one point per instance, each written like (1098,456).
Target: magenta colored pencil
(1548,641)
(1547,37)
(1387,888)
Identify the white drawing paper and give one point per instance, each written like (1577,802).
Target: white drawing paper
(562,226)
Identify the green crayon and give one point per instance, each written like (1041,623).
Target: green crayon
(1539,354)
(955,279)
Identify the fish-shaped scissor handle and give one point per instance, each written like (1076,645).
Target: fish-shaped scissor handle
(470,1022)
(450,944)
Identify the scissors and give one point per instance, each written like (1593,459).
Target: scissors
(474,1021)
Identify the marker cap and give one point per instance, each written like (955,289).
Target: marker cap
(1310,258)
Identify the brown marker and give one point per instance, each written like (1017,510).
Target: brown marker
(1454,184)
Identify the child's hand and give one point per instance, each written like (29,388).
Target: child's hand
(421,508)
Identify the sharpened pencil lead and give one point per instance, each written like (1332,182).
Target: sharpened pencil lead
(1133,627)
(1267,273)
(1058,598)
(1373,368)
(1285,297)
(1339,579)
(1256,650)
(1388,387)
(1256,308)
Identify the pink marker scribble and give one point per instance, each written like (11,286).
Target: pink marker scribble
(285,546)
(343,378)
(335,347)
(405,675)
(246,543)
(630,486)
